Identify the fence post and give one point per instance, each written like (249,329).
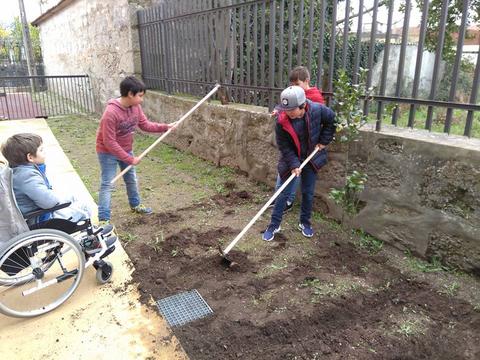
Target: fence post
(271,100)
(227,41)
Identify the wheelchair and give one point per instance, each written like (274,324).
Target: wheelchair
(42,265)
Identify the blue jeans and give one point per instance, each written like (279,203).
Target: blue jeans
(108,166)
(293,192)
(309,178)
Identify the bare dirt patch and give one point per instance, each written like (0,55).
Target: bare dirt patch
(293,298)
(327,299)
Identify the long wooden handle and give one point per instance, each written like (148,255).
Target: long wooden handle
(265,207)
(124,171)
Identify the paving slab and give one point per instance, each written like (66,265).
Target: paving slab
(19,106)
(98,321)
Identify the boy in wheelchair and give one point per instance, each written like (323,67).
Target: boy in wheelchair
(44,252)
(36,198)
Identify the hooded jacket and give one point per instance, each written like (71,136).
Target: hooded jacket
(32,189)
(320,125)
(117,126)
(315,95)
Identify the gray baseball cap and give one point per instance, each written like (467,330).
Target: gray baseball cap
(291,98)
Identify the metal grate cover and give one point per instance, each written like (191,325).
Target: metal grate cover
(182,308)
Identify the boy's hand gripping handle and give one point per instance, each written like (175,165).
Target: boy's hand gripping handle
(214,90)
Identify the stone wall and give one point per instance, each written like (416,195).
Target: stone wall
(423,190)
(94,37)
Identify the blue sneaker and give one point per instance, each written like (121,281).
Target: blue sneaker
(306,230)
(270,232)
(142,209)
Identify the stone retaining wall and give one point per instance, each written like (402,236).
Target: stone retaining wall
(423,189)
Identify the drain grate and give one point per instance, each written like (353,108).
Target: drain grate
(182,308)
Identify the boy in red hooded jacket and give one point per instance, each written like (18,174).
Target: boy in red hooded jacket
(114,144)
(300,76)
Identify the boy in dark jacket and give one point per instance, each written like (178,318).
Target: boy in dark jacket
(301,126)
(121,118)
(299,76)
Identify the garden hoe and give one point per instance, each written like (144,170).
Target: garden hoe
(214,90)
(226,261)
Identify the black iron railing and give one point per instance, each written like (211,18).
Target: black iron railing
(43,96)
(250,47)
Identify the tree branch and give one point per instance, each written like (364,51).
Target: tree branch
(384,2)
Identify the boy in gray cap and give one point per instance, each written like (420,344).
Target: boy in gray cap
(301,126)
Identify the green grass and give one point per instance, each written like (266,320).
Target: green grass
(416,264)
(56,104)
(336,288)
(204,173)
(265,298)
(368,242)
(318,217)
(439,114)
(450,289)
(126,236)
(279,263)
(156,241)
(201,178)
(409,328)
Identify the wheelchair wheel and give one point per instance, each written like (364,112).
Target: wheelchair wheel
(39,270)
(104,272)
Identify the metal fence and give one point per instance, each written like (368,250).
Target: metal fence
(24,97)
(250,47)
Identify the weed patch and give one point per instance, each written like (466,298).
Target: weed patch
(368,242)
(417,264)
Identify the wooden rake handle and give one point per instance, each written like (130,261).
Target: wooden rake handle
(265,207)
(214,90)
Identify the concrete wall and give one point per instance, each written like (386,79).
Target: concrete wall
(428,60)
(423,190)
(94,37)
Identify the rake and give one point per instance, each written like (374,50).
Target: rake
(124,171)
(224,253)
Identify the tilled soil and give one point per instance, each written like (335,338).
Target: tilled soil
(292,298)
(320,299)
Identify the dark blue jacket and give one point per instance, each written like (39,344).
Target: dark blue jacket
(320,122)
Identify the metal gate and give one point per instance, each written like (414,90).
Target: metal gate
(24,97)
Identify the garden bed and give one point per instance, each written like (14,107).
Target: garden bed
(321,298)
(336,295)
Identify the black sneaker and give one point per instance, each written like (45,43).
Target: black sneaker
(288,207)
(92,246)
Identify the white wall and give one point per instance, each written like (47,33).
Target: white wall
(93,37)
(428,62)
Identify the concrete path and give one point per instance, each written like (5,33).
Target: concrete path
(19,106)
(98,321)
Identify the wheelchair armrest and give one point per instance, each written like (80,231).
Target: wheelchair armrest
(34,214)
